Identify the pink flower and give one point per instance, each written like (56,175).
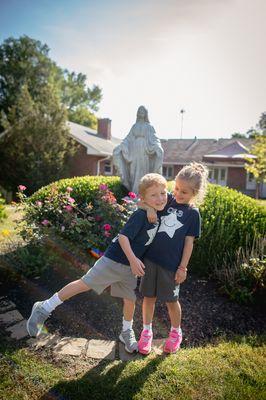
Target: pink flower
(68,208)
(103,186)
(107,227)
(107,234)
(45,222)
(97,218)
(22,188)
(132,195)
(38,203)
(71,200)
(69,189)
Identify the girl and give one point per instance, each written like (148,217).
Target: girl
(167,258)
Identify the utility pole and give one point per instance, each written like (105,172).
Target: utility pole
(182,111)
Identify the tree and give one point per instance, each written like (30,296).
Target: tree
(257,166)
(81,115)
(26,61)
(36,144)
(238,135)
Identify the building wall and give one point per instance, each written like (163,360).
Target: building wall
(82,164)
(236,178)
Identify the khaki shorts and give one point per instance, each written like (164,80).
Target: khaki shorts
(159,282)
(106,272)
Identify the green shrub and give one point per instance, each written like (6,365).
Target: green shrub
(245,280)
(84,188)
(230,221)
(2,209)
(92,224)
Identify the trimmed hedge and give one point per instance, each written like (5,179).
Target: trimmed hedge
(84,188)
(230,221)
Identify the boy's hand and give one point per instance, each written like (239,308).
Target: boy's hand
(137,267)
(181,274)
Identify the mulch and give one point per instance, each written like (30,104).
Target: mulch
(207,316)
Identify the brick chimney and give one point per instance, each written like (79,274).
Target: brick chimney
(104,128)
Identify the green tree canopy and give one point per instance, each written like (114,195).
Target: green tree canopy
(26,61)
(35,144)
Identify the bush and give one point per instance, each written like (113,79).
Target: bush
(91,224)
(84,188)
(2,209)
(230,221)
(245,280)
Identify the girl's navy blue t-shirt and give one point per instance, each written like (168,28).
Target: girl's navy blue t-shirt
(176,222)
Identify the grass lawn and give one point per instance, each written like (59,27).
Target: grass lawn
(229,371)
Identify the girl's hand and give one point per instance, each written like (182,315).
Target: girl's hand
(151,215)
(181,274)
(137,267)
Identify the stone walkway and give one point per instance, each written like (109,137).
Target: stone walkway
(15,325)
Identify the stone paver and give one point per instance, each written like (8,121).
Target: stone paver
(19,330)
(70,346)
(11,317)
(44,340)
(101,349)
(125,356)
(6,305)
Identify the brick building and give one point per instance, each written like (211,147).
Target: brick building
(223,157)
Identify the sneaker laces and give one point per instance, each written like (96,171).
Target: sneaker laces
(146,337)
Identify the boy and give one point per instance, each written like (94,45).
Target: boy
(119,267)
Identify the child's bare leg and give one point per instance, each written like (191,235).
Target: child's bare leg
(72,289)
(128,309)
(174,310)
(148,307)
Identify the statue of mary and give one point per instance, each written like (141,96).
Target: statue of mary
(139,153)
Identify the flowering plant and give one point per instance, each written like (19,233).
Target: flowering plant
(91,225)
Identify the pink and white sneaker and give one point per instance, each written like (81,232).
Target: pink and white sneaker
(145,341)
(172,343)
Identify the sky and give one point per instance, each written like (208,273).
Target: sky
(203,56)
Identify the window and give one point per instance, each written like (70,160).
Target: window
(168,172)
(107,168)
(218,175)
(251,181)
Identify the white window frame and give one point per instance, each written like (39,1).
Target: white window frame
(108,164)
(167,169)
(250,181)
(218,171)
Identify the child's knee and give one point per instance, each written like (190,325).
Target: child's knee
(150,299)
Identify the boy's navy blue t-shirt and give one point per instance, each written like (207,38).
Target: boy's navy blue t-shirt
(176,222)
(140,234)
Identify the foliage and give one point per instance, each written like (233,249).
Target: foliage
(230,221)
(91,224)
(2,209)
(82,116)
(37,144)
(25,61)
(245,280)
(257,166)
(84,188)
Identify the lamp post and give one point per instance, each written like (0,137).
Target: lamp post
(182,111)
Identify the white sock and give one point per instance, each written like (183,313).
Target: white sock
(127,324)
(50,304)
(178,329)
(147,326)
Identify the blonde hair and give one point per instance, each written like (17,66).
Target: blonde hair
(149,180)
(197,176)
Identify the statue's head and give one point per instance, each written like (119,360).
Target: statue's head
(142,114)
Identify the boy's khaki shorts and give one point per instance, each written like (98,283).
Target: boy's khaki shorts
(159,282)
(106,272)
